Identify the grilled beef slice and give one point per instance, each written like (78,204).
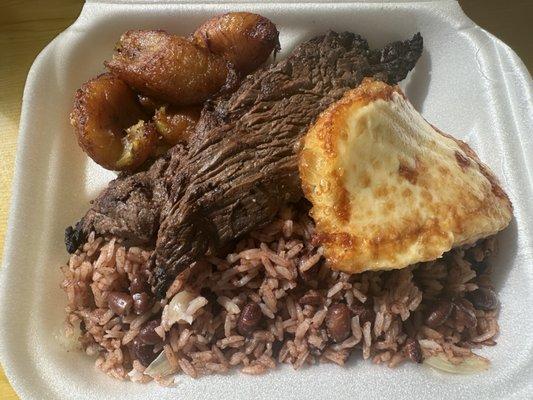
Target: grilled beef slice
(241,165)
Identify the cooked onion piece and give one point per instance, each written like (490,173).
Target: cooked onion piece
(109,124)
(468,365)
(243,38)
(168,67)
(160,367)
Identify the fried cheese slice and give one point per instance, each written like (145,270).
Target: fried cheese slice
(388,189)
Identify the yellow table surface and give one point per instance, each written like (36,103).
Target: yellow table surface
(27,26)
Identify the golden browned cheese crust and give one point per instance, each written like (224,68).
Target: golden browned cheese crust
(388,189)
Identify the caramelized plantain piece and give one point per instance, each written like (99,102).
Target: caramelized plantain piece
(168,67)
(149,104)
(137,146)
(243,38)
(176,125)
(109,124)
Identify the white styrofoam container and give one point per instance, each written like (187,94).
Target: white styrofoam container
(467,83)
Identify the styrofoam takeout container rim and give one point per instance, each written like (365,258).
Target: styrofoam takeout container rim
(456,15)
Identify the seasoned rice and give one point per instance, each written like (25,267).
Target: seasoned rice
(273,267)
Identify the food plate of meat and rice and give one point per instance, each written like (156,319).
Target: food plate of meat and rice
(276,206)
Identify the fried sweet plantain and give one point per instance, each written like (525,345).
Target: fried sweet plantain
(149,104)
(168,67)
(109,124)
(243,38)
(176,125)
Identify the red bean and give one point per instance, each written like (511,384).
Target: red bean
(143,352)
(142,302)
(484,299)
(249,319)
(464,314)
(311,297)
(439,314)
(148,335)
(413,350)
(119,302)
(338,322)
